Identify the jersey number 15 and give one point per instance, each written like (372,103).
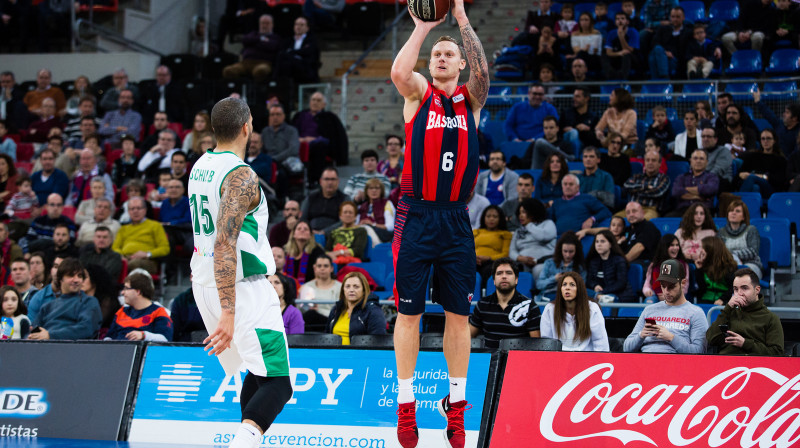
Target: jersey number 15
(199,211)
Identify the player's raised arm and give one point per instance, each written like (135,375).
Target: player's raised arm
(240,193)
(409,83)
(478,84)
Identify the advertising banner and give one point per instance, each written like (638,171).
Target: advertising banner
(63,390)
(647,400)
(342,398)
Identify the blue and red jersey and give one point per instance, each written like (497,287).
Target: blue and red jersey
(441,156)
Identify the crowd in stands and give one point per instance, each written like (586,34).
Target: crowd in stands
(99,207)
(652,39)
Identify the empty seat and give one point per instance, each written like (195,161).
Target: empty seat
(695,11)
(284,14)
(784,62)
(314,340)
(376,270)
(675,169)
(695,92)
(213,64)
(780,90)
(501,96)
(580,8)
(636,278)
(364,18)
(514,149)
(372,340)
(182,66)
(724,11)
(778,230)
(531,344)
(753,202)
(660,91)
(667,225)
(744,62)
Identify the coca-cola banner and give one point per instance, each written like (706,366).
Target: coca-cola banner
(579,400)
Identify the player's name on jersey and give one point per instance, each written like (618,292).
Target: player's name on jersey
(440,121)
(202,175)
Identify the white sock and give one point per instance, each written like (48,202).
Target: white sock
(247,436)
(406,392)
(458,389)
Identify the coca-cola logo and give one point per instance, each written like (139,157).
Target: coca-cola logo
(625,403)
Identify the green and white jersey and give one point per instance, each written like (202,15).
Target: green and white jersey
(253,253)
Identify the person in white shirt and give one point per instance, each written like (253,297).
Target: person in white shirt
(324,286)
(574,319)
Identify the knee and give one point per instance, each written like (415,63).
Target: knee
(408,320)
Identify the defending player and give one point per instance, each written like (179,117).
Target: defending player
(432,225)
(230,264)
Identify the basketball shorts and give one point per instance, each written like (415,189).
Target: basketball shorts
(433,234)
(259,342)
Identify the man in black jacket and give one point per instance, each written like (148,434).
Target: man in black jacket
(324,133)
(300,56)
(669,46)
(756,18)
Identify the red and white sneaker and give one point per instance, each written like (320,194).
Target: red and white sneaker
(454,412)
(407,432)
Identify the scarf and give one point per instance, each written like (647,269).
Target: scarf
(297,270)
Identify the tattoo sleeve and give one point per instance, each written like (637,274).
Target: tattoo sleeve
(478,83)
(240,190)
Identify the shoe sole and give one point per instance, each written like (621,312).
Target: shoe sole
(443,414)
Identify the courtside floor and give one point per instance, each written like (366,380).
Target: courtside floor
(72,443)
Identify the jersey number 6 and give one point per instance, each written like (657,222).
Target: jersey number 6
(447,161)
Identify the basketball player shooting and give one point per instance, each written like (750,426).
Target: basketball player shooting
(432,226)
(230,264)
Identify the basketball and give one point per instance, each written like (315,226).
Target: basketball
(429,10)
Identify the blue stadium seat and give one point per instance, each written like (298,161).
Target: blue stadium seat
(636,278)
(536,174)
(584,7)
(675,169)
(741,91)
(744,62)
(641,128)
(667,225)
(485,117)
(637,168)
(368,249)
(629,312)
(724,11)
(375,270)
(780,90)
(695,92)
(761,124)
(586,243)
(514,149)
(382,253)
(720,222)
(575,166)
(778,230)
(613,9)
(501,96)
(524,285)
(664,91)
(494,128)
(784,205)
(695,11)
(606,89)
(320,239)
(753,202)
(784,62)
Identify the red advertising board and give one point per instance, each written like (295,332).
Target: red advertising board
(578,400)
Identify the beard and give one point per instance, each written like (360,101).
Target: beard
(506,290)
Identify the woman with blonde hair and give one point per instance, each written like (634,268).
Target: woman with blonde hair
(355,314)
(202,123)
(302,251)
(573,318)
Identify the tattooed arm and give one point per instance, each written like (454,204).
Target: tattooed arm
(240,193)
(478,84)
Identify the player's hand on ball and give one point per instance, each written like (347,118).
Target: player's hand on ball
(222,336)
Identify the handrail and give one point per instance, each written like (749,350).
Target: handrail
(110,35)
(343,112)
(774,309)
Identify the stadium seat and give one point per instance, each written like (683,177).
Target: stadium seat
(606,89)
(575,166)
(514,149)
(524,284)
(25,152)
(637,168)
(580,8)
(364,18)
(182,66)
(744,62)
(531,344)
(314,340)
(494,128)
(502,96)
(586,244)
(784,62)
(741,91)
(636,278)
(376,270)
(285,13)
(615,345)
(24,166)
(372,340)
(724,11)
(436,341)
(320,239)
(629,312)
(695,11)
(761,124)
(212,65)
(485,117)
(778,229)
(780,90)
(667,226)
(784,205)
(382,253)
(720,222)
(753,202)
(675,169)
(695,92)
(658,92)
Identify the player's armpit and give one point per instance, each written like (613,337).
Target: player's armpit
(478,84)
(239,194)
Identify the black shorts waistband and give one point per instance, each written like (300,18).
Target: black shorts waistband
(439,205)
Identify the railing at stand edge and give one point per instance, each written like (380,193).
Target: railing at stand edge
(107,34)
(354,66)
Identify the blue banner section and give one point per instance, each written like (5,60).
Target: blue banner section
(331,387)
